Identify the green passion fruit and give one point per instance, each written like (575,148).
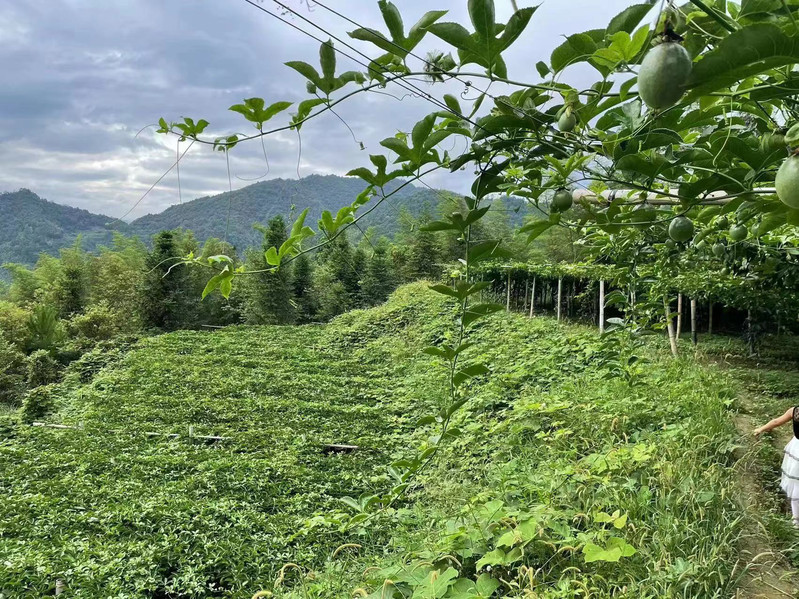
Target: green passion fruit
(787,182)
(771,142)
(719,250)
(561,201)
(663,75)
(567,122)
(681,229)
(671,244)
(738,232)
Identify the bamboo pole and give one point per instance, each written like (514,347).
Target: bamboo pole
(532,299)
(601,306)
(679,315)
(694,334)
(670,327)
(560,295)
(507,304)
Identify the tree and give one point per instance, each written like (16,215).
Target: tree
(267,295)
(164,299)
(378,281)
(302,288)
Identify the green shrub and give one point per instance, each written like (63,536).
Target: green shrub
(14,325)
(38,403)
(42,369)
(12,373)
(98,323)
(44,328)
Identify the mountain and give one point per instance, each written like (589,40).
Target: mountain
(31,225)
(257,203)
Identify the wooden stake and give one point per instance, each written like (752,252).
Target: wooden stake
(601,306)
(679,315)
(532,300)
(526,292)
(59,587)
(670,327)
(560,295)
(694,334)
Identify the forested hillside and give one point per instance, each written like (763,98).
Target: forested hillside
(31,225)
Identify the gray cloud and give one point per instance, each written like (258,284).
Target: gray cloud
(82,77)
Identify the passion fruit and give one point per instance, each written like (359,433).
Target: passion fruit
(663,75)
(681,229)
(738,232)
(787,182)
(562,200)
(771,142)
(567,122)
(670,244)
(723,222)
(719,250)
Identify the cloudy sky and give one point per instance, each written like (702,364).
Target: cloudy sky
(80,79)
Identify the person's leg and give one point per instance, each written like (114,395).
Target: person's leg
(795,511)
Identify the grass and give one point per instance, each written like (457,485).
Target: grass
(557,457)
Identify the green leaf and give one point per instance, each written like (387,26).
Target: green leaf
(628,19)
(740,55)
(306,70)
(454,34)
(470,372)
(577,48)
(445,290)
(486,585)
(478,311)
(515,27)
(327,58)
(419,30)
(535,229)
(393,20)
(438,225)
(272,257)
(378,39)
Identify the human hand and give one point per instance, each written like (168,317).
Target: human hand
(757,432)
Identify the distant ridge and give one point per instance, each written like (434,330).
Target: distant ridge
(31,225)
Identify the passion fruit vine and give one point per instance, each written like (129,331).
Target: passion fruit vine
(663,75)
(681,229)
(561,201)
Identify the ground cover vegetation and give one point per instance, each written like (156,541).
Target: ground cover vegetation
(563,479)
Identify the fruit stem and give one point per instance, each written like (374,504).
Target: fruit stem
(715,15)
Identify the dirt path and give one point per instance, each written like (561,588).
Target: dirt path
(768,574)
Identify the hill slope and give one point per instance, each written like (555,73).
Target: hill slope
(548,443)
(31,225)
(208,216)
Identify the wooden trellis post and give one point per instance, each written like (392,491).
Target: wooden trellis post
(507,304)
(526,292)
(670,326)
(532,300)
(679,315)
(601,306)
(694,335)
(560,295)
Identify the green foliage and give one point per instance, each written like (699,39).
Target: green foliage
(97,323)
(548,451)
(42,369)
(268,294)
(378,280)
(37,403)
(164,298)
(45,331)
(12,373)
